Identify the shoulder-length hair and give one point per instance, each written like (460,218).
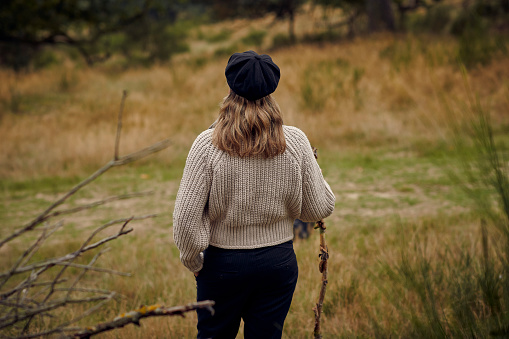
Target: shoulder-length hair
(248,128)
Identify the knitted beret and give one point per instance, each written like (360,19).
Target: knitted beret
(252,75)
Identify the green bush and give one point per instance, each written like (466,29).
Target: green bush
(150,41)
(16,56)
(324,36)
(477,44)
(436,20)
(45,58)
(254,38)
(223,35)
(226,51)
(281,40)
(167,42)
(115,43)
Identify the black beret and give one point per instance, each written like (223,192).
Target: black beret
(252,75)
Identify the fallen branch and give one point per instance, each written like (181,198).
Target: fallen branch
(34,291)
(135,316)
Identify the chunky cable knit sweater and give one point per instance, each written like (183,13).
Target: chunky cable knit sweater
(232,202)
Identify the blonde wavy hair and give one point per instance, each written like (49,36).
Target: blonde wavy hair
(248,128)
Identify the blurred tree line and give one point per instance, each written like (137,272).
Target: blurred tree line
(153,30)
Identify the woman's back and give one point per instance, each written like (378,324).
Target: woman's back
(253,201)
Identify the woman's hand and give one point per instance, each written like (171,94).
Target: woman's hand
(196,274)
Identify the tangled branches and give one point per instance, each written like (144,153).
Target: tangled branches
(36,288)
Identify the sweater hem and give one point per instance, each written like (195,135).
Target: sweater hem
(239,247)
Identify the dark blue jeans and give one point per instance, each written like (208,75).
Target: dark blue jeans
(256,285)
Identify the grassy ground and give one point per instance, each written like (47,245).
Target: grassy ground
(380,110)
(384,201)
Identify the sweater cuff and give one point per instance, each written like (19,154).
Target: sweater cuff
(195,264)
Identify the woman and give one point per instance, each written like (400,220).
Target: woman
(246,180)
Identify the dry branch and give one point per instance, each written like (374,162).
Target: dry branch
(135,316)
(99,203)
(324,256)
(322,266)
(83,249)
(65,326)
(159,146)
(36,294)
(119,125)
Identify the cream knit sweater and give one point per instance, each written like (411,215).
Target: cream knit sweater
(252,202)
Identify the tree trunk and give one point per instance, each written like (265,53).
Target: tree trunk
(380,15)
(291,26)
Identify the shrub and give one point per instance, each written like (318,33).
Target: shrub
(436,20)
(281,40)
(45,58)
(254,38)
(226,51)
(16,56)
(325,36)
(223,35)
(477,44)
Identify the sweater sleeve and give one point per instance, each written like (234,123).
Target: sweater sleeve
(317,197)
(191,225)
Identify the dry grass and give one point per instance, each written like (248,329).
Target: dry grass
(373,106)
(341,95)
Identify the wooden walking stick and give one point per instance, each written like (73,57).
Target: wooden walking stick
(322,266)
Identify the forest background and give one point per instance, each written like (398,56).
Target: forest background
(407,102)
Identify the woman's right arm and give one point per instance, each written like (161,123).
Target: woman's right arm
(317,197)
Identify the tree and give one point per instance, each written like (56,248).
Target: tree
(26,25)
(405,6)
(380,15)
(282,9)
(352,9)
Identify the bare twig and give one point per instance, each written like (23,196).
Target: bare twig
(119,124)
(70,256)
(99,203)
(82,289)
(30,282)
(23,259)
(10,320)
(64,327)
(92,268)
(159,146)
(82,274)
(52,229)
(135,316)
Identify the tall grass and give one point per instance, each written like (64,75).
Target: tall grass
(341,95)
(408,256)
(455,289)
